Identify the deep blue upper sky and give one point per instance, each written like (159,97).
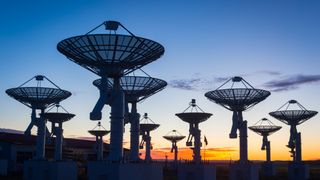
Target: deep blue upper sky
(273,44)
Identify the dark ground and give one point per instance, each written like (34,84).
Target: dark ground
(222,172)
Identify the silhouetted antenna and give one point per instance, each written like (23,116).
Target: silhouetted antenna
(146,126)
(136,89)
(174,136)
(293,116)
(264,128)
(56,119)
(38,98)
(194,118)
(111,56)
(99,131)
(238,100)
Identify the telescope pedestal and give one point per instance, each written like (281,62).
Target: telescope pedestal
(244,171)
(117,122)
(196,171)
(298,170)
(55,170)
(98,170)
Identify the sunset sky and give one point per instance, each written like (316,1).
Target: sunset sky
(272,44)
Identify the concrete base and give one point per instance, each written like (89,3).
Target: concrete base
(244,171)
(268,169)
(3,167)
(196,172)
(103,170)
(40,170)
(298,171)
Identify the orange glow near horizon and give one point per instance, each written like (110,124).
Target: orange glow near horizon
(226,153)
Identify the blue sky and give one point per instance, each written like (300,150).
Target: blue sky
(273,44)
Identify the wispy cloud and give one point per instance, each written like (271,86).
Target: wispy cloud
(186,84)
(199,82)
(291,82)
(268,72)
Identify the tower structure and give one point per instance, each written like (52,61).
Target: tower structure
(194,117)
(111,55)
(38,98)
(99,131)
(174,137)
(238,100)
(293,113)
(239,97)
(264,128)
(56,119)
(136,89)
(147,125)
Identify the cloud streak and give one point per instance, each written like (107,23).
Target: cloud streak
(199,82)
(291,82)
(186,84)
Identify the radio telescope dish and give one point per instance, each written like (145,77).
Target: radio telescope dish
(147,125)
(174,136)
(293,116)
(238,99)
(264,127)
(99,131)
(194,117)
(136,88)
(57,118)
(38,98)
(112,53)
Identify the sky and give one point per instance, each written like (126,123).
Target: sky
(274,45)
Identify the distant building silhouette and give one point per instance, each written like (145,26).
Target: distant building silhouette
(17,148)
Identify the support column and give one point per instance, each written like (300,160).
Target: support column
(134,133)
(117,122)
(298,148)
(234,128)
(268,152)
(41,137)
(148,147)
(58,144)
(197,144)
(175,148)
(99,141)
(243,142)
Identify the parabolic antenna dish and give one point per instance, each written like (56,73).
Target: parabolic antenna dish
(194,117)
(265,130)
(148,127)
(38,97)
(57,117)
(106,54)
(174,136)
(264,127)
(237,99)
(293,116)
(99,132)
(136,88)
